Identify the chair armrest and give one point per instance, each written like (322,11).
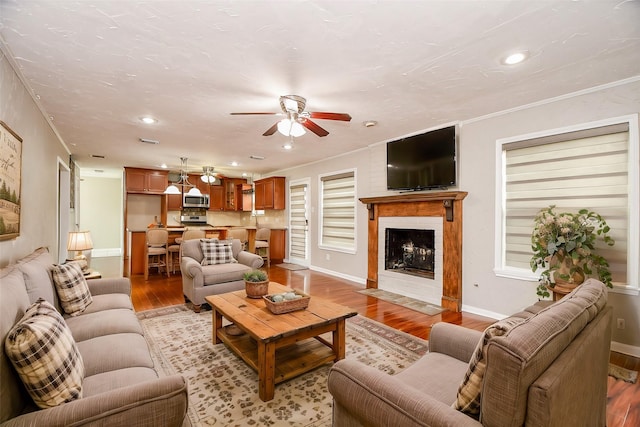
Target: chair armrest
(249,259)
(375,398)
(453,340)
(190,267)
(116,285)
(164,401)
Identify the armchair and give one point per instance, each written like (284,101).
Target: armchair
(199,281)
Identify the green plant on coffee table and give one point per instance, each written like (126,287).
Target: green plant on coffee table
(255,276)
(563,247)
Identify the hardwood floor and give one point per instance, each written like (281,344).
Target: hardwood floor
(623,407)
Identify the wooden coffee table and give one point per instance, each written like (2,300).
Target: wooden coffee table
(280,346)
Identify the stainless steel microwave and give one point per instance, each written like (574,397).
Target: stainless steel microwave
(190,201)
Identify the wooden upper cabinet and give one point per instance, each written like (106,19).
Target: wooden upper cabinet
(243,197)
(146,181)
(216,198)
(231,200)
(174,202)
(270,193)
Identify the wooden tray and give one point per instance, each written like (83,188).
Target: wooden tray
(287,306)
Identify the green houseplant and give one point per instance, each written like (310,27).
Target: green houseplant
(256,283)
(563,247)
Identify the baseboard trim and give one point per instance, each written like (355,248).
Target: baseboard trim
(627,349)
(106,252)
(358,280)
(482,312)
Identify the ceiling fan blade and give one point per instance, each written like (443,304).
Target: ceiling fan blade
(330,116)
(313,127)
(247,114)
(271,130)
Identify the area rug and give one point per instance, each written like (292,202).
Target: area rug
(292,267)
(223,390)
(624,374)
(412,303)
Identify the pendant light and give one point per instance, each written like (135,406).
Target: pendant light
(184,180)
(208,176)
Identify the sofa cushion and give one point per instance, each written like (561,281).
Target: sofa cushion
(45,356)
(112,352)
(216,252)
(112,380)
(469,392)
(223,273)
(72,288)
(36,268)
(106,322)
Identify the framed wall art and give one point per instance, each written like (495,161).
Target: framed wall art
(10,182)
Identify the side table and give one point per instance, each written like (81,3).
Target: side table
(92,274)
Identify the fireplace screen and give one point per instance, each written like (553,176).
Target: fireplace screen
(410,251)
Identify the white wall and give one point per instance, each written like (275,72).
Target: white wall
(40,152)
(493,296)
(101,203)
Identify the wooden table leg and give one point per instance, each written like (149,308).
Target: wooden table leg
(266,370)
(339,334)
(217,324)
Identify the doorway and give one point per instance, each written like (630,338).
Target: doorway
(299,222)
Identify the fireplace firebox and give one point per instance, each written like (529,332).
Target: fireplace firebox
(410,251)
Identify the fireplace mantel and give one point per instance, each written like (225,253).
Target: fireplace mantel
(445,204)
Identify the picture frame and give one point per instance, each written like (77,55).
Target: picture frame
(10,182)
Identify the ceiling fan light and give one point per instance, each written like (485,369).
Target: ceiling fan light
(297,130)
(172,189)
(284,127)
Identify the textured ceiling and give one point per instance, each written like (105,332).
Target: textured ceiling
(96,67)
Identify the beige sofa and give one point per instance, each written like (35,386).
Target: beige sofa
(120,386)
(199,281)
(548,370)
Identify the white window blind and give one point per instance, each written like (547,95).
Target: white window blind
(584,169)
(338,211)
(298,221)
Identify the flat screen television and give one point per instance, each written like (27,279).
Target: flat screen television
(423,162)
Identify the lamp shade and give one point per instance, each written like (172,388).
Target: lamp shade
(79,241)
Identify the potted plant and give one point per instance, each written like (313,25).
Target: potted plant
(563,247)
(256,283)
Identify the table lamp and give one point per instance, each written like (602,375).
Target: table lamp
(80,241)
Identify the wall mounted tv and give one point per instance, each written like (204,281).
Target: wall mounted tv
(423,162)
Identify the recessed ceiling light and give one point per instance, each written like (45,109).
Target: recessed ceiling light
(288,145)
(369,123)
(515,58)
(234,163)
(164,166)
(148,120)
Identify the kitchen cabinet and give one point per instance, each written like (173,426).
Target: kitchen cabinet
(244,199)
(146,181)
(199,183)
(216,198)
(230,185)
(174,202)
(277,244)
(270,193)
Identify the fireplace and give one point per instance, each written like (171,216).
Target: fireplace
(410,251)
(438,211)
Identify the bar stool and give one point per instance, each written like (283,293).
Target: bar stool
(240,234)
(263,236)
(156,250)
(173,253)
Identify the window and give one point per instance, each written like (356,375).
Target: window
(337,211)
(588,167)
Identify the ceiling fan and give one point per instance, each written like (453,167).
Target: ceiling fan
(297,119)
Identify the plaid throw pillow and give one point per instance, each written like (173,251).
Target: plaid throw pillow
(72,288)
(43,352)
(469,392)
(216,252)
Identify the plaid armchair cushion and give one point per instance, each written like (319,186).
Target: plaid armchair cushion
(44,353)
(469,392)
(216,252)
(72,288)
